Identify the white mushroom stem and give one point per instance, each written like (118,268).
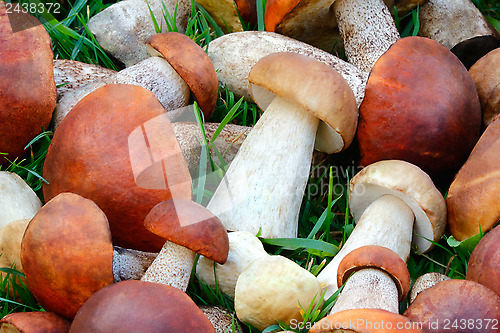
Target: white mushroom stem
(367,29)
(387,222)
(368,288)
(264,186)
(172,266)
(130,264)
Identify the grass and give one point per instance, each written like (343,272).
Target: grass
(324,222)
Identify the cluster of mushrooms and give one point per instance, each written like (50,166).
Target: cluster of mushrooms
(114,246)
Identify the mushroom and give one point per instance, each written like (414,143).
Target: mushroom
(244,248)
(34,322)
(188,228)
(474,195)
(222,319)
(122,28)
(92,155)
(67,254)
(374,277)
(456,306)
(484,262)
(427,115)
(229,14)
(27,88)
(486,75)
(390,199)
(11,236)
(235,54)
(137,306)
(424,282)
(272,289)
(365,321)
(295,91)
(460,26)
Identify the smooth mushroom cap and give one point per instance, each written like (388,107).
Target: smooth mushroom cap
(189,224)
(34,322)
(474,195)
(365,321)
(486,75)
(271,289)
(424,282)
(374,256)
(192,64)
(420,106)
(68,229)
(316,87)
(451,300)
(408,183)
(484,262)
(27,87)
(90,154)
(133,306)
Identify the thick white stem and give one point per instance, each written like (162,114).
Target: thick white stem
(172,266)
(387,222)
(368,288)
(264,186)
(367,29)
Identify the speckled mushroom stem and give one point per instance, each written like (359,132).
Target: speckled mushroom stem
(264,186)
(387,222)
(130,264)
(367,29)
(172,266)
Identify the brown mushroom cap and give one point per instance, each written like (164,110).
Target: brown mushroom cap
(484,262)
(27,87)
(455,301)
(225,13)
(137,306)
(69,229)
(374,256)
(34,322)
(191,63)
(420,106)
(90,155)
(189,224)
(365,321)
(316,87)
(474,195)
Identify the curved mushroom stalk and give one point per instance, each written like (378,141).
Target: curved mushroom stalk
(367,29)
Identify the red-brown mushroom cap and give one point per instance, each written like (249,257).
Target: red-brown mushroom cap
(34,322)
(27,87)
(459,302)
(189,224)
(191,63)
(484,262)
(137,306)
(67,253)
(90,154)
(374,256)
(420,106)
(365,321)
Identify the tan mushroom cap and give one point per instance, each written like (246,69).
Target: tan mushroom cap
(189,224)
(484,262)
(374,256)
(137,306)
(424,282)
(34,322)
(316,87)
(191,63)
(365,321)
(408,183)
(455,301)
(69,229)
(474,195)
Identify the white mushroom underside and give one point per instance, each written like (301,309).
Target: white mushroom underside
(172,266)
(387,222)
(264,186)
(369,288)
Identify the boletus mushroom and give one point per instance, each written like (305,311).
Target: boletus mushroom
(34,322)
(230,14)
(424,282)
(27,87)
